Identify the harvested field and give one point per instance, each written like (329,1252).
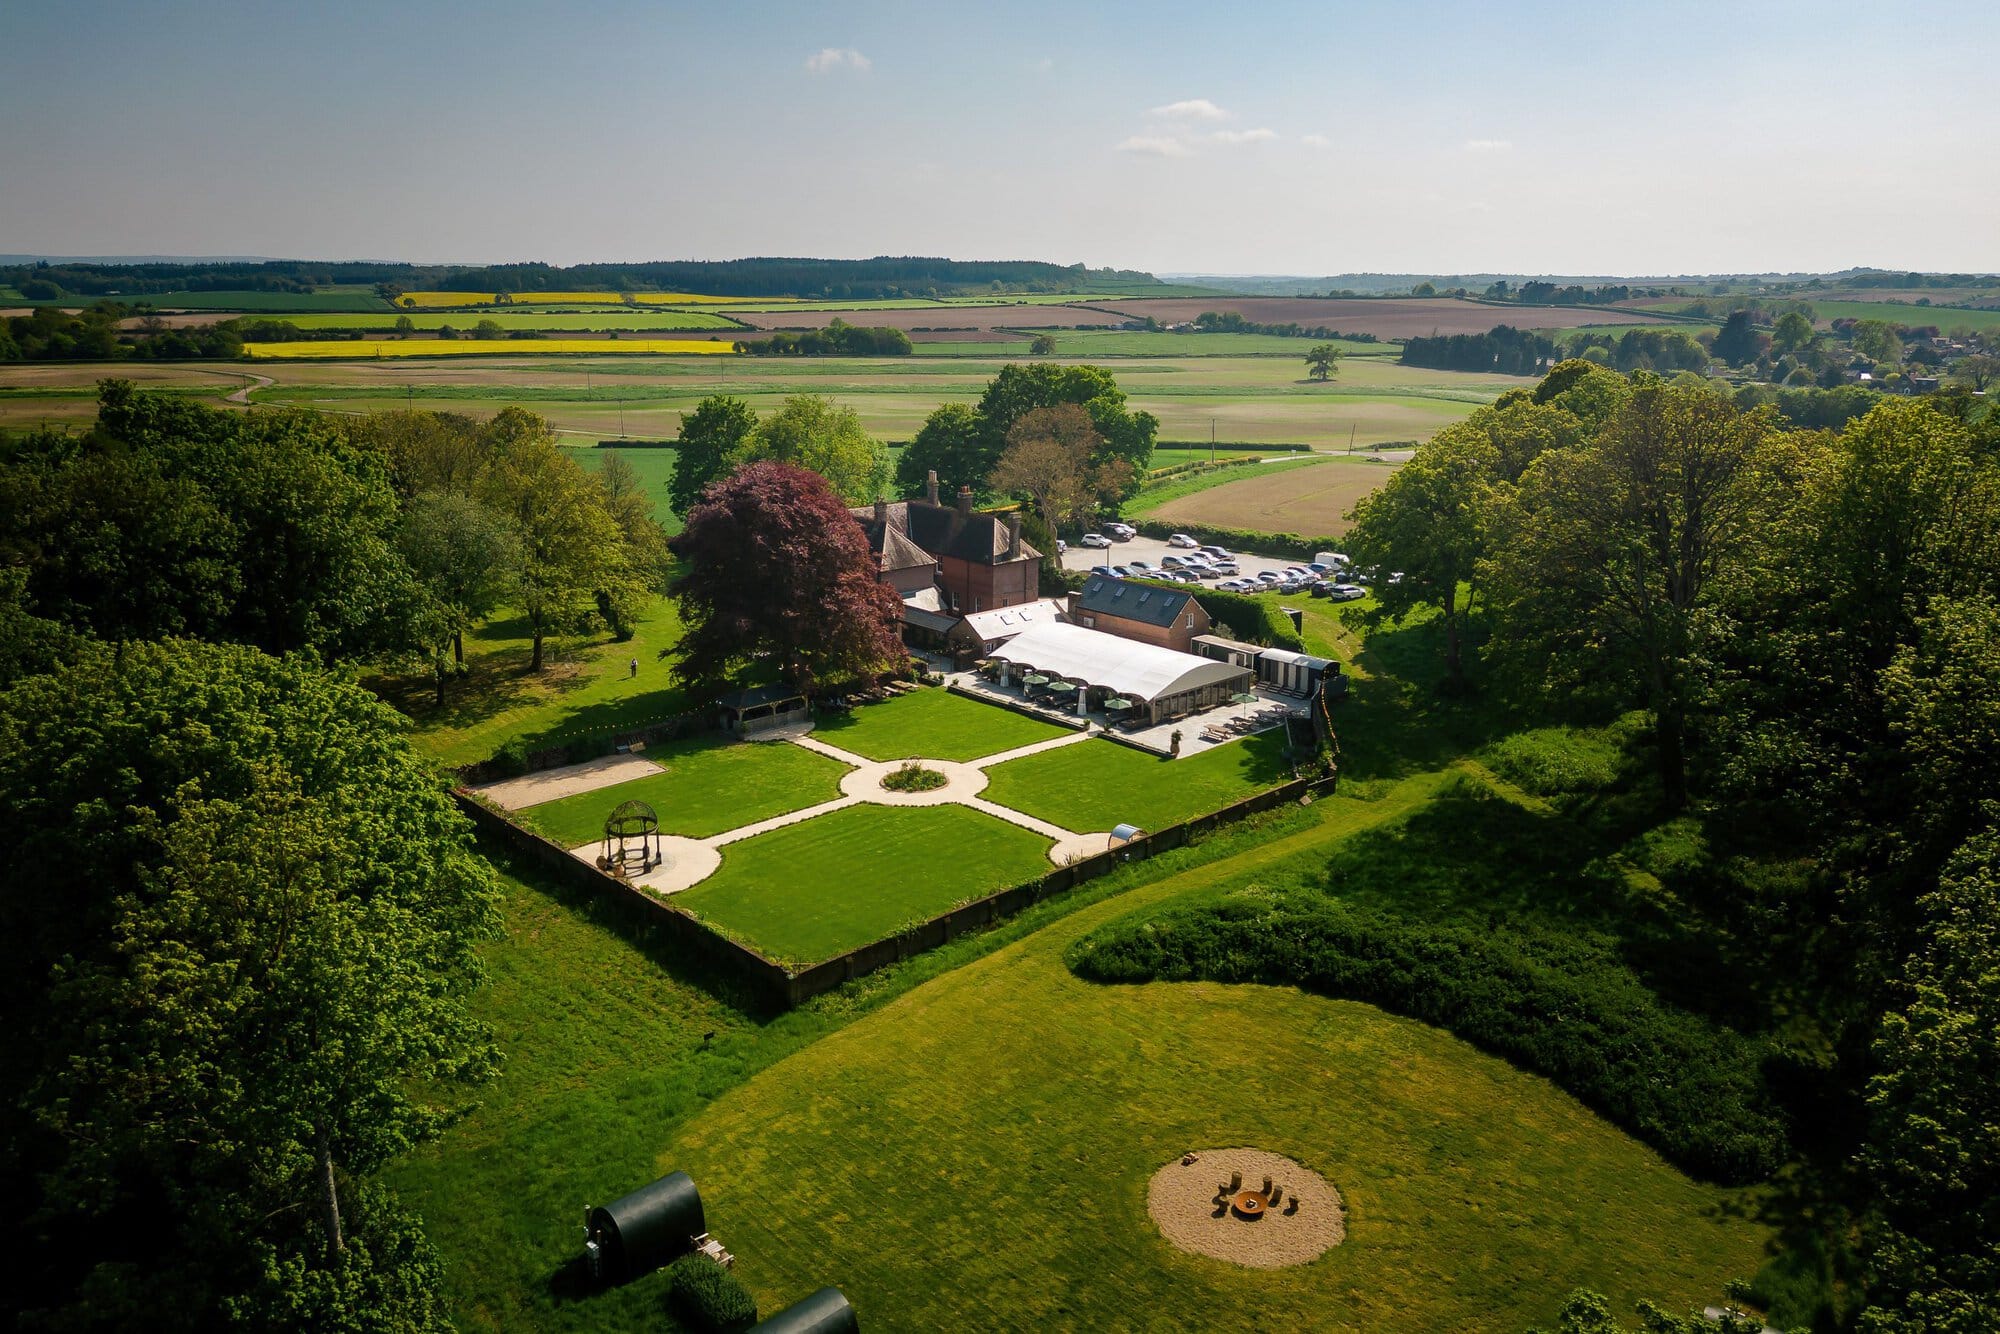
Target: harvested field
(960,318)
(1311,501)
(1384,318)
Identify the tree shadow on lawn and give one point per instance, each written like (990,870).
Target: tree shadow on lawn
(1401,719)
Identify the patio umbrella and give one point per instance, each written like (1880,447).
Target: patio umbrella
(1118,702)
(1243,697)
(1062,687)
(1034,679)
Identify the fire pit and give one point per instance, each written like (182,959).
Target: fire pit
(1249,1204)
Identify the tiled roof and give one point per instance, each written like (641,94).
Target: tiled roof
(1102,596)
(940,530)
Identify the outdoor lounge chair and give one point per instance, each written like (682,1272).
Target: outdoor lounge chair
(1277,1193)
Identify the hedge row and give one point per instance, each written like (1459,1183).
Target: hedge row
(1252,619)
(1204,465)
(1551,1003)
(706,1296)
(1242,539)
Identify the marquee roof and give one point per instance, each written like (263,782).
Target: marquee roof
(1127,666)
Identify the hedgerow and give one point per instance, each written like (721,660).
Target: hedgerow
(1253,620)
(1549,1002)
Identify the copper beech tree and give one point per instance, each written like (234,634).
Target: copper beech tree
(776,571)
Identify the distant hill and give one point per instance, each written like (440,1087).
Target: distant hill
(1399,284)
(827,279)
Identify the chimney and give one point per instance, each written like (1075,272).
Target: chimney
(882,511)
(930,486)
(1014,535)
(965,501)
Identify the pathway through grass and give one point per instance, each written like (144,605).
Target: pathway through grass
(710,785)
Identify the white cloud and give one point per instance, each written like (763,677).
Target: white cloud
(1195,108)
(1315,141)
(1489,145)
(1256,136)
(1153,145)
(836,57)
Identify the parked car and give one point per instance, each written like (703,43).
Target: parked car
(1321,589)
(1122,532)
(1115,571)
(1061,546)
(1299,571)
(1093,540)
(1182,540)
(1268,576)
(1214,553)
(1331,558)
(1173,562)
(1346,592)
(1224,567)
(1236,585)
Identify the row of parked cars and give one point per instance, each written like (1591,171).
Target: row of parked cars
(1331,576)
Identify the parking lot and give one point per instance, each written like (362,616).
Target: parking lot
(1151,549)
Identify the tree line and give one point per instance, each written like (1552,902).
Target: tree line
(240,913)
(1808,621)
(837,339)
(1504,349)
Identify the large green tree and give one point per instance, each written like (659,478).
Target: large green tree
(1428,522)
(1022,388)
(240,918)
(465,556)
(1601,563)
(570,553)
(712,442)
(813,432)
(953,444)
(173,518)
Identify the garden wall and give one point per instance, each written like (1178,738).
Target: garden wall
(648,916)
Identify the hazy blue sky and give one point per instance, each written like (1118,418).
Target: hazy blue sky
(1218,137)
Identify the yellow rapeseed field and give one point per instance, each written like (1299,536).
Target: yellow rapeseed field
(431,300)
(369,349)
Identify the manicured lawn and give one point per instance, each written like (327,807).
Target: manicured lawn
(932,724)
(709,785)
(976,1155)
(1097,784)
(812,890)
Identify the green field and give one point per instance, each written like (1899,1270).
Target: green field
(1895,312)
(1173,488)
(330,299)
(709,786)
(619,317)
(655,468)
(838,881)
(1097,784)
(933,725)
(1087,343)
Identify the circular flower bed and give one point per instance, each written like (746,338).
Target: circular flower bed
(913,777)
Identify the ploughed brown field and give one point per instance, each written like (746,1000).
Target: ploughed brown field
(1312,502)
(942,317)
(1391,320)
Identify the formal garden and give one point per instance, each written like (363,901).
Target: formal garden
(813,845)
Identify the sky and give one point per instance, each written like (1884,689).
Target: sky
(1238,138)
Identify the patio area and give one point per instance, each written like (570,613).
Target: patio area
(1262,711)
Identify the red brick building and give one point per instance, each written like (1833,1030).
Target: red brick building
(1167,617)
(977,561)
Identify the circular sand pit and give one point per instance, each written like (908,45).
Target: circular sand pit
(1198,1210)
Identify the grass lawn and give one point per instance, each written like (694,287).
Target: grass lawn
(585,688)
(710,785)
(655,468)
(934,725)
(976,1154)
(1098,784)
(813,890)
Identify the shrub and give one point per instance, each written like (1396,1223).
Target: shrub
(1552,760)
(1549,1002)
(512,758)
(706,1296)
(913,777)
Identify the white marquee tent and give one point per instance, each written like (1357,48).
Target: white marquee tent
(1164,681)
